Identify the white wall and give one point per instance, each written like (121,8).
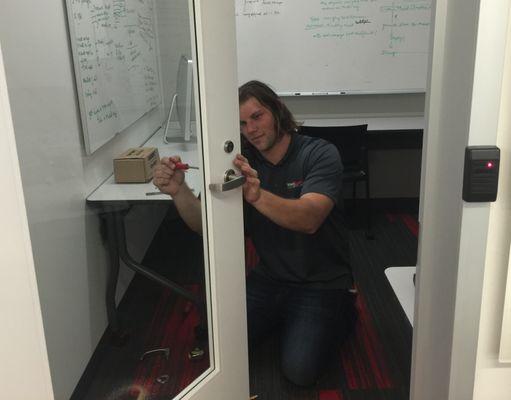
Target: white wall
(173,23)
(462,109)
(70,259)
(22,345)
(486,94)
(447,123)
(493,379)
(332,107)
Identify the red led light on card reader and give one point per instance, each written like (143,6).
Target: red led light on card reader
(489,164)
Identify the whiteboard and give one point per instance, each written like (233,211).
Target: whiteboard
(115,59)
(334,46)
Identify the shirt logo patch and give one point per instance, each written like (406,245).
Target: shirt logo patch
(294,184)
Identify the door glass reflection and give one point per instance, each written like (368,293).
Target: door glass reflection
(168,319)
(158,338)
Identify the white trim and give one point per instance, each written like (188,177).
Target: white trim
(25,371)
(461,107)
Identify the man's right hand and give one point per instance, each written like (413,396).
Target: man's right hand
(252,185)
(166,177)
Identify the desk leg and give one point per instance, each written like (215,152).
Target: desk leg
(123,254)
(113,275)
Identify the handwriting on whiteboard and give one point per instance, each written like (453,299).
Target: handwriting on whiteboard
(116,58)
(388,22)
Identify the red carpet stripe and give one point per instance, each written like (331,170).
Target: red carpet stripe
(172,326)
(411,223)
(251,257)
(348,368)
(390,217)
(330,395)
(375,350)
(139,380)
(362,357)
(169,321)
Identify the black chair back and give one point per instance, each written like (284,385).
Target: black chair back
(350,141)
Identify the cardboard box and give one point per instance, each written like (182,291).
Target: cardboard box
(135,165)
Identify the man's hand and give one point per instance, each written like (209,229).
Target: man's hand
(305,214)
(166,177)
(251,188)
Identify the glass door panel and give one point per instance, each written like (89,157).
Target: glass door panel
(175,290)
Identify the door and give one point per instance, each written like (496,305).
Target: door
(213,43)
(217,81)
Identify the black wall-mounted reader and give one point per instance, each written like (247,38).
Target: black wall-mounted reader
(481,174)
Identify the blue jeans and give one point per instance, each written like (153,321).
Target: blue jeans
(312,324)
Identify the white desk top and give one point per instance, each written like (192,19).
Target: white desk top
(373,123)
(401,280)
(109,191)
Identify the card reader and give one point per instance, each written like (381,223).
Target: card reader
(481,174)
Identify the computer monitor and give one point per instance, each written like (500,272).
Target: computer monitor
(183,101)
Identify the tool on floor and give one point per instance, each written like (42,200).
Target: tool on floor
(162,379)
(164,350)
(196,354)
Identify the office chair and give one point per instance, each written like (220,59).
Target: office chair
(350,141)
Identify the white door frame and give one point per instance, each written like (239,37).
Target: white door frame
(462,104)
(22,343)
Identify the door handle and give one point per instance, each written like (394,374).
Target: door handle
(231,181)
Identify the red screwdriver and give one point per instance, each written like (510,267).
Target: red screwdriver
(184,166)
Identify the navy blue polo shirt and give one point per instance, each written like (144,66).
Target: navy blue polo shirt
(319,260)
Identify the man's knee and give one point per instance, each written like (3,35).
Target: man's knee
(300,372)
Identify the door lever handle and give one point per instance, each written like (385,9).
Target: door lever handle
(231,181)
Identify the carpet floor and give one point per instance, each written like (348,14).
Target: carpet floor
(373,364)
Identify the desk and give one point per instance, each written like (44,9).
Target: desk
(111,193)
(114,201)
(383,132)
(401,280)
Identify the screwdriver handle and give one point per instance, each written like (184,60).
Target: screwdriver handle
(183,166)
